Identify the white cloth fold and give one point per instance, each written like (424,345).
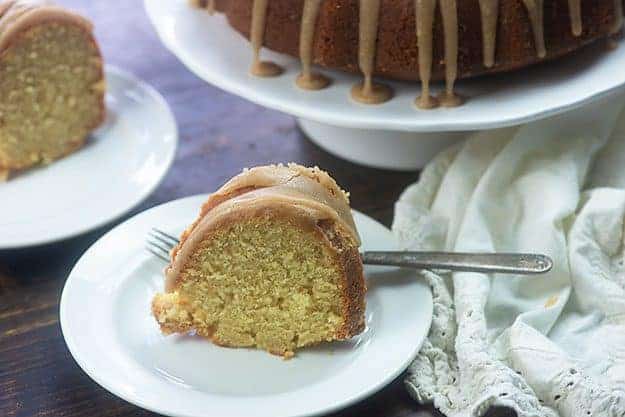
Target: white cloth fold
(551,345)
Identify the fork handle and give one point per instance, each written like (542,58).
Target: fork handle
(506,263)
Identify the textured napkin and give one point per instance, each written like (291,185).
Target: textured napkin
(549,345)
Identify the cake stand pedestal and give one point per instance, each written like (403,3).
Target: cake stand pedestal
(384,149)
(394,135)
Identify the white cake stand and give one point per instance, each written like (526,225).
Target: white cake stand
(395,135)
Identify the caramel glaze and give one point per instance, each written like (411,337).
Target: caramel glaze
(370,92)
(424,14)
(449,12)
(367,91)
(259,18)
(12,11)
(489,10)
(17,15)
(309,80)
(210,7)
(575,11)
(535,12)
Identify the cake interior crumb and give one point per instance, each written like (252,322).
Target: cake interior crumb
(50,94)
(264,283)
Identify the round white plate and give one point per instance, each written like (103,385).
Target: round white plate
(108,327)
(219,55)
(121,164)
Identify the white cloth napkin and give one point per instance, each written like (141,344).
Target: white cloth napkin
(546,345)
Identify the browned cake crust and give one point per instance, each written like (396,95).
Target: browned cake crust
(353,285)
(335,42)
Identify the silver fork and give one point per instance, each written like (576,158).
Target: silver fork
(160,244)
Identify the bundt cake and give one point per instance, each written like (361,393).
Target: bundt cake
(417,39)
(51,84)
(272,262)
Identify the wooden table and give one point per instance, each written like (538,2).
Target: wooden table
(219,135)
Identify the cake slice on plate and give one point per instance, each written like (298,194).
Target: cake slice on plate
(272,262)
(51,84)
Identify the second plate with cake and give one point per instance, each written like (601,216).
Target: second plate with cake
(120,165)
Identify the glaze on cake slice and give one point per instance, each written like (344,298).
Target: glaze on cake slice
(272,262)
(51,84)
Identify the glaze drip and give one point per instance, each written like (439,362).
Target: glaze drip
(308,79)
(535,11)
(575,11)
(490,14)
(424,13)
(257,32)
(449,12)
(369,92)
(210,7)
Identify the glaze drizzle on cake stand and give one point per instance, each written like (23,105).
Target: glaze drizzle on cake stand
(394,134)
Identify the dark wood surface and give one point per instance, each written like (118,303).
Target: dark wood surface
(219,135)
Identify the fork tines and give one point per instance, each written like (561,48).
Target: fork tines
(160,243)
(167,237)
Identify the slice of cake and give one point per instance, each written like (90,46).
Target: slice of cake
(51,84)
(272,262)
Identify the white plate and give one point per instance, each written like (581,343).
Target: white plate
(108,327)
(216,53)
(122,163)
